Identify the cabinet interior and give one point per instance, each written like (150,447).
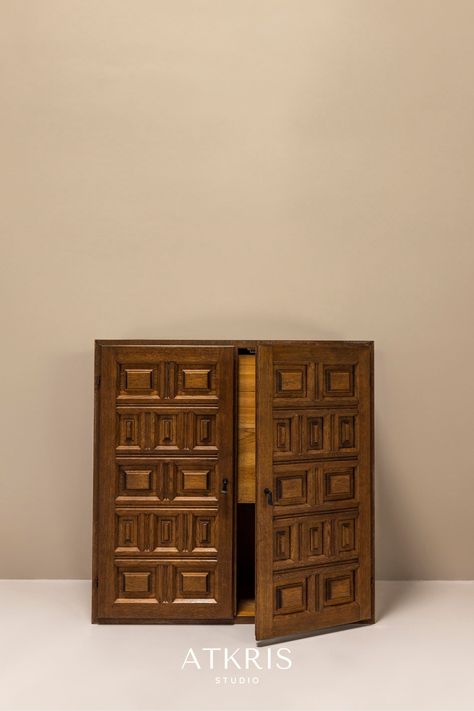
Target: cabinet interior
(245,514)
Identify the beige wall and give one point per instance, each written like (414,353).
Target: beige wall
(242,168)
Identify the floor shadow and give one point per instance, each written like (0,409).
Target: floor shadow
(390,596)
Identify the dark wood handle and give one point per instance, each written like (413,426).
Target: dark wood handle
(269,495)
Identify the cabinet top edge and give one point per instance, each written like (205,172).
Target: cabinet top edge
(236,343)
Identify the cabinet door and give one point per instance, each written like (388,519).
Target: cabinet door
(164,483)
(314,487)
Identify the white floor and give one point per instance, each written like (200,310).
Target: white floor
(419,655)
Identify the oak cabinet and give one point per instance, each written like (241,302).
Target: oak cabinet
(233,483)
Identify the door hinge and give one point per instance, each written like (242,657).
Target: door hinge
(97,382)
(96,583)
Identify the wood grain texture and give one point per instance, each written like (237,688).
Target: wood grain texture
(246,430)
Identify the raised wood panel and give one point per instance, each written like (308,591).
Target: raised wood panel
(204,432)
(138,382)
(196,382)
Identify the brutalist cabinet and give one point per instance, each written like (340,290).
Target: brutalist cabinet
(233,483)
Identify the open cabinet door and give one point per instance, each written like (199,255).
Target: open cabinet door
(314,536)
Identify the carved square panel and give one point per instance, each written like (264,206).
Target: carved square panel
(337,588)
(284,435)
(196,480)
(136,583)
(168,431)
(127,532)
(314,434)
(203,533)
(290,381)
(196,378)
(346,535)
(204,431)
(290,488)
(195,582)
(346,432)
(282,543)
(166,533)
(290,596)
(139,381)
(316,538)
(137,479)
(339,482)
(196,381)
(131,431)
(338,381)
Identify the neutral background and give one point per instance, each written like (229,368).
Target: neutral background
(238,169)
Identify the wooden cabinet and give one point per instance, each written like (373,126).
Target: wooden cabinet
(233,483)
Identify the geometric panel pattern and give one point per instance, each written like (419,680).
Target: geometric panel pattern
(318,426)
(196,382)
(166,532)
(171,481)
(285,435)
(315,383)
(166,581)
(305,486)
(290,488)
(138,382)
(168,525)
(346,433)
(167,380)
(204,434)
(315,540)
(290,381)
(338,483)
(136,584)
(166,430)
(338,381)
(291,597)
(315,433)
(338,588)
(305,594)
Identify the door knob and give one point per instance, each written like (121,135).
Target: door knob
(224,486)
(269,495)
